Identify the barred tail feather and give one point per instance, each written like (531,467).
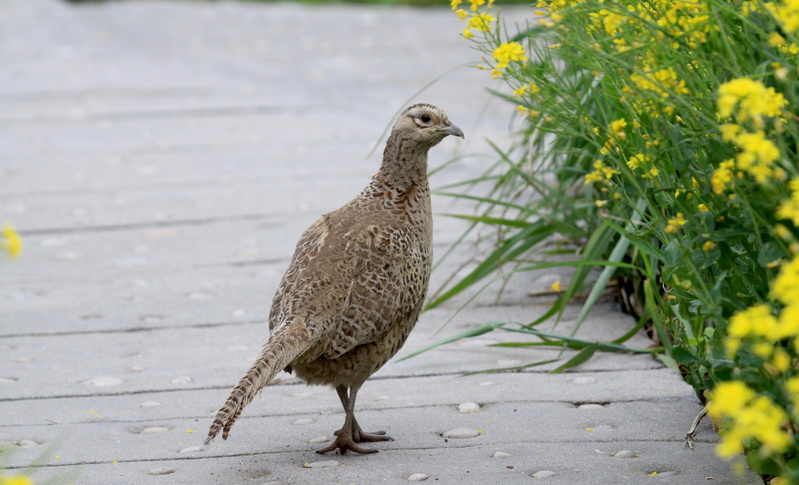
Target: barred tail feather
(281,349)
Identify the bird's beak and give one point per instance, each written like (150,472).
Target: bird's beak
(452,130)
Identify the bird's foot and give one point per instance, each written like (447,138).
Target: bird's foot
(343,443)
(360,436)
(689,440)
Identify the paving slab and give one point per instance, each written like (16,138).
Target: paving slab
(161,158)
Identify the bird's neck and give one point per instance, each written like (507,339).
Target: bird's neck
(404,164)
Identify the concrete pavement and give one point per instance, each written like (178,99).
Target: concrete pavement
(162,158)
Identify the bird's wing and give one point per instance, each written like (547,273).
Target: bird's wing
(390,270)
(350,279)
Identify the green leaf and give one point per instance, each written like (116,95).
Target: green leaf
(507,251)
(473,332)
(682,356)
(511,369)
(578,359)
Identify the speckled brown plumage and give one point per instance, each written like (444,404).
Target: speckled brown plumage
(355,286)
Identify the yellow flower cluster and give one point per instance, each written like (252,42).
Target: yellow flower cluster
(508,52)
(675,223)
(10,242)
(748,100)
(757,155)
(789,209)
(752,98)
(723,177)
(476,21)
(785,287)
(749,416)
(660,81)
(479,21)
(15,480)
(687,19)
(600,173)
(787,13)
(774,339)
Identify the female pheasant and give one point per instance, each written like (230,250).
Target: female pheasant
(356,283)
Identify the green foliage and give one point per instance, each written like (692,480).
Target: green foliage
(661,135)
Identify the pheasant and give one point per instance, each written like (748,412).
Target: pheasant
(355,286)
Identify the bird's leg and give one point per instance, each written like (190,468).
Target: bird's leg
(359,435)
(346,436)
(689,437)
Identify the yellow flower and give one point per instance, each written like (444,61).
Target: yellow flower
(755,320)
(787,13)
(636,161)
(702,208)
(509,52)
(455,3)
(722,177)
(792,388)
(481,22)
(789,209)
(462,14)
(708,245)
(781,360)
(617,127)
(476,4)
(520,91)
(729,131)
(753,99)
(775,39)
(729,398)
(675,223)
(660,81)
(15,480)
(556,286)
(785,286)
(10,241)
(653,172)
(496,73)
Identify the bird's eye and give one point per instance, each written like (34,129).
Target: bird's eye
(425,118)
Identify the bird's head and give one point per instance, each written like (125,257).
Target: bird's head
(426,123)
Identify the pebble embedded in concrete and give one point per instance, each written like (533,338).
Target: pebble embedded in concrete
(103,381)
(319,439)
(501,454)
(302,421)
(543,474)
(625,454)
(417,477)
(192,449)
(590,406)
(486,383)
(27,443)
(458,433)
(154,430)
(468,407)
(321,464)
(669,473)
(161,471)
